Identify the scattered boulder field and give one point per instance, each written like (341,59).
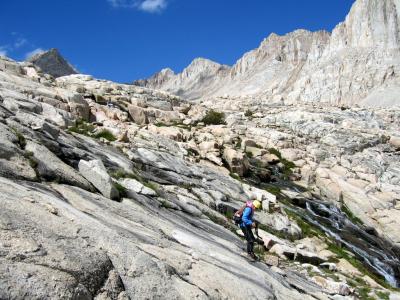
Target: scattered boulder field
(113,191)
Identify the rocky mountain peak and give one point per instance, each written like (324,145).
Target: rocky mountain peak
(359,63)
(202,66)
(53,63)
(370,24)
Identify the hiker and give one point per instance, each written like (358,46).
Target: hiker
(247,223)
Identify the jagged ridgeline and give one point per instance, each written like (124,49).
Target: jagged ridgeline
(358,63)
(115,191)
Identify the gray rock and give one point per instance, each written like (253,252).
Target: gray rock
(51,62)
(95,172)
(51,168)
(136,187)
(138,114)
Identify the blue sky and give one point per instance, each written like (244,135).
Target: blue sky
(124,40)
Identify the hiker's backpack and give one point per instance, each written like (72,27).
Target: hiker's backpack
(237,217)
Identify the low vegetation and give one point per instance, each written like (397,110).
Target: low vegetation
(82,127)
(106,134)
(350,215)
(288,165)
(214,118)
(307,229)
(121,190)
(88,129)
(20,137)
(121,173)
(248,113)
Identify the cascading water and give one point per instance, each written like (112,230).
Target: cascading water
(376,253)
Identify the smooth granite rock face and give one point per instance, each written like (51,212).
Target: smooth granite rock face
(358,63)
(70,146)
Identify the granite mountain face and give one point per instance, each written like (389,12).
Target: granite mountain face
(358,63)
(51,62)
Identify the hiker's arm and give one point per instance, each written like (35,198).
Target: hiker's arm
(246,218)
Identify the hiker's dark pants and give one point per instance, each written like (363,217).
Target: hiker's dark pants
(248,234)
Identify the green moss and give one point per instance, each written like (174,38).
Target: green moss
(364,292)
(275,190)
(307,229)
(214,118)
(20,137)
(249,154)
(238,144)
(287,164)
(248,113)
(173,123)
(106,134)
(343,253)
(350,215)
(187,186)
(121,173)
(235,176)
(28,154)
(383,295)
(121,189)
(33,162)
(82,127)
(166,204)
(221,220)
(192,152)
(160,124)
(259,250)
(275,152)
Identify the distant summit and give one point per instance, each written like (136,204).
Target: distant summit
(51,62)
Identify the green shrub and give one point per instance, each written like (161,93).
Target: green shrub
(275,190)
(275,152)
(248,113)
(82,127)
(288,165)
(350,215)
(20,137)
(383,295)
(121,189)
(166,204)
(33,162)
(106,134)
(238,144)
(235,176)
(249,154)
(214,118)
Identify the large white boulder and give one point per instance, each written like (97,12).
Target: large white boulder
(95,172)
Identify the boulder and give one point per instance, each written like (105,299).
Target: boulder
(51,168)
(79,107)
(95,172)
(138,115)
(236,161)
(332,287)
(136,187)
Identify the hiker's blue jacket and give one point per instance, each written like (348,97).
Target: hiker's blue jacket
(247,217)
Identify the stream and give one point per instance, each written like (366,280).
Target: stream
(377,254)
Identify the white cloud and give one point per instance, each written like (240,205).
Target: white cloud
(153,6)
(20,42)
(3,50)
(34,52)
(150,6)
(122,3)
